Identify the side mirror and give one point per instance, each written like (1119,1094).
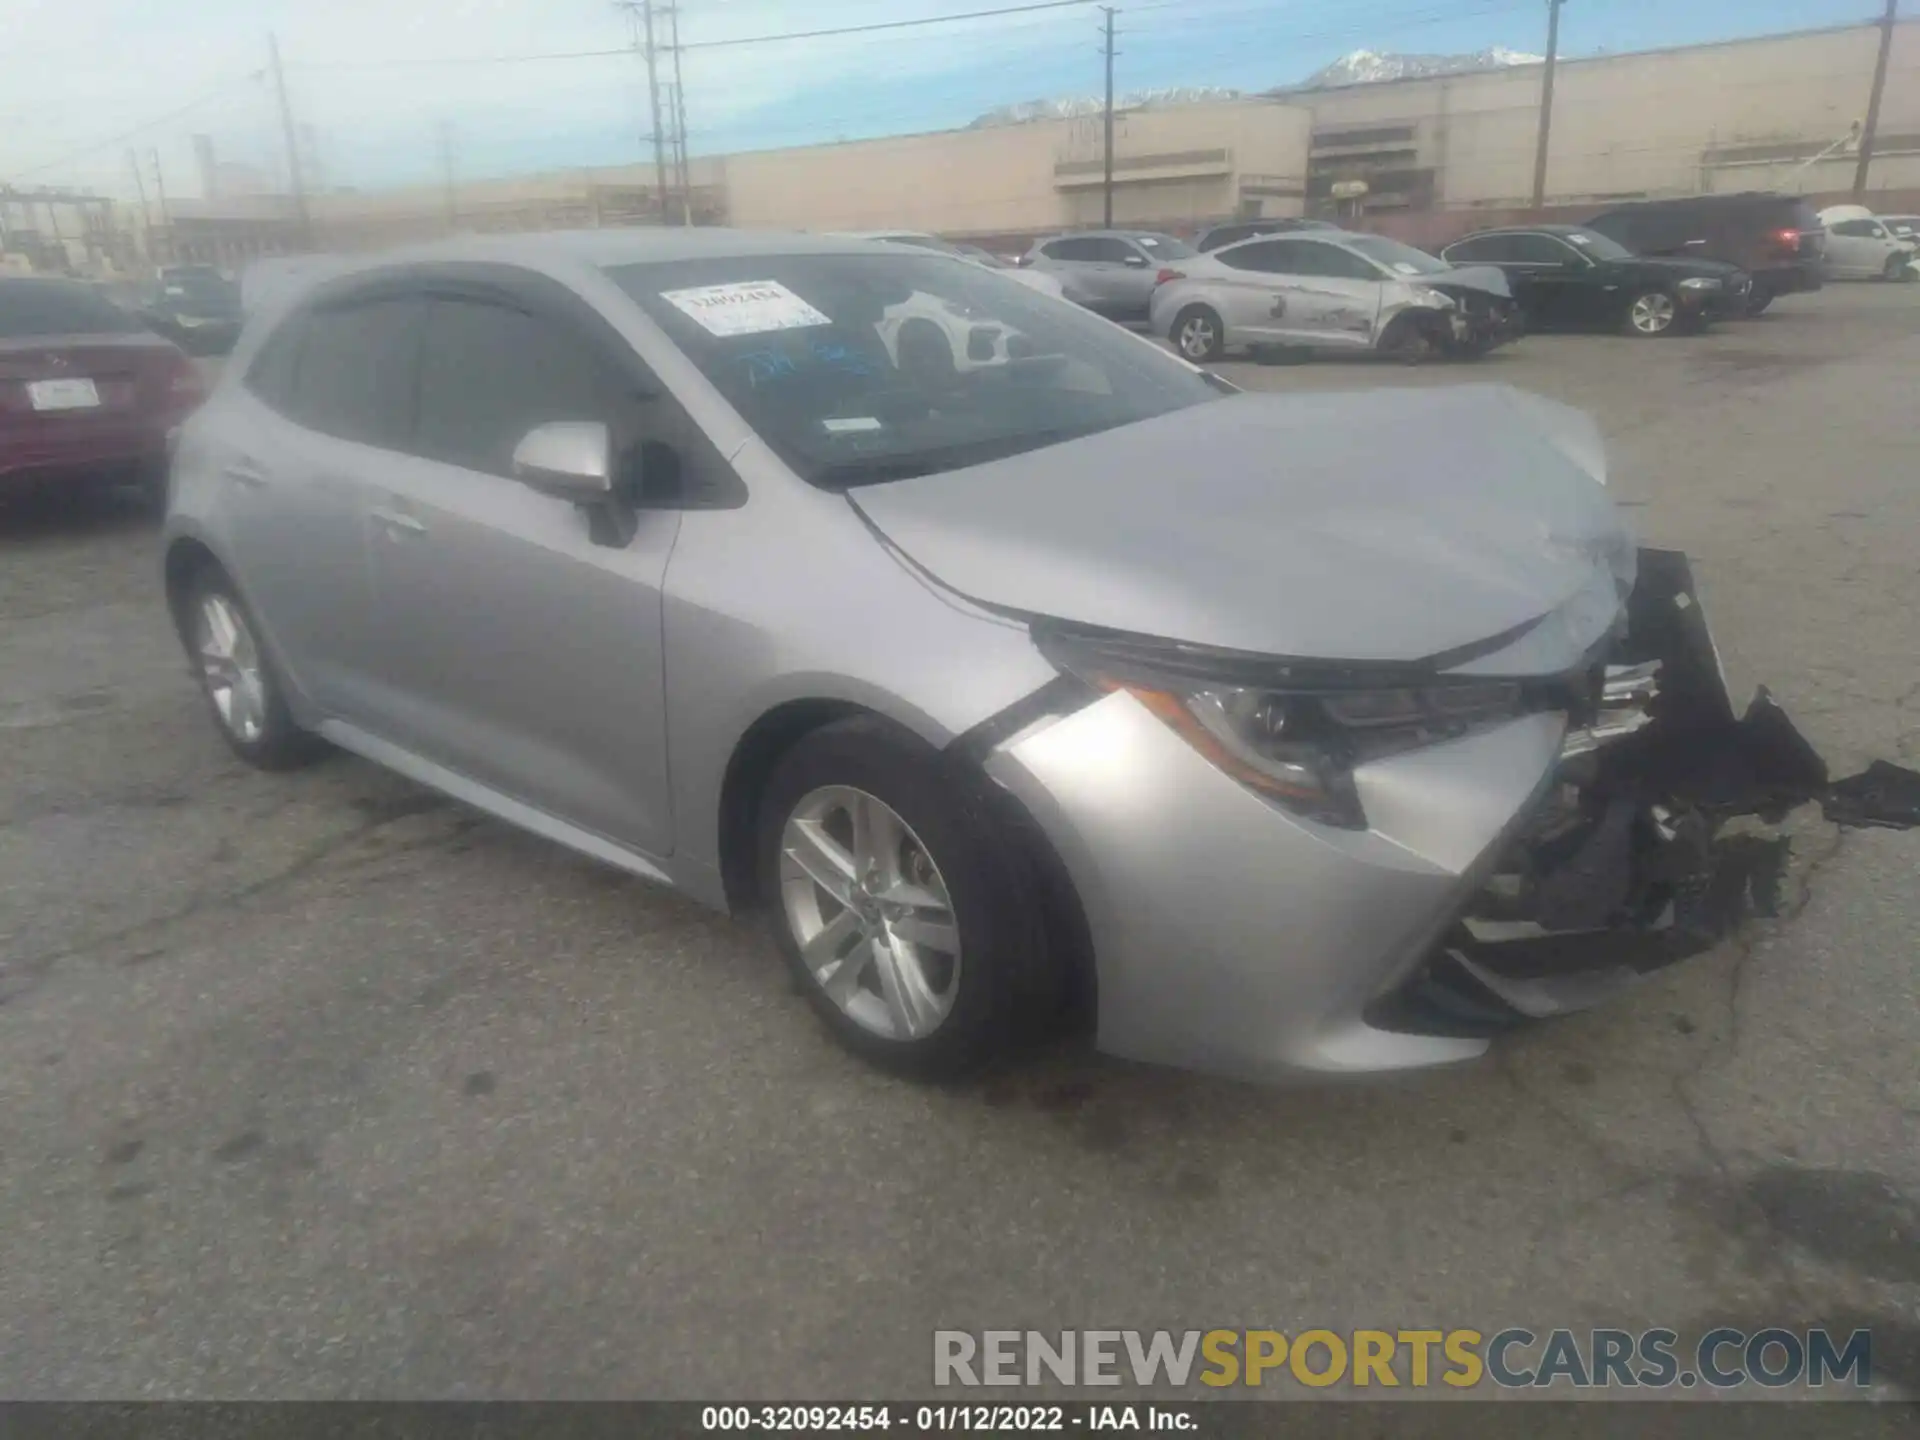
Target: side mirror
(567,459)
(1137,262)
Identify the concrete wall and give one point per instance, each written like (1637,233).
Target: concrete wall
(1193,163)
(1735,116)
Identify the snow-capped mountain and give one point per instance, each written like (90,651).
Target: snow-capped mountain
(1067,109)
(1363,66)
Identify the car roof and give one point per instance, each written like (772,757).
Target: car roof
(1319,233)
(1104,235)
(605,249)
(1754,199)
(1543,229)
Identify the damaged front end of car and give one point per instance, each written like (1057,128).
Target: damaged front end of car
(1468,311)
(1653,840)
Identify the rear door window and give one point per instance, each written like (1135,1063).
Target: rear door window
(1070,250)
(1269,257)
(1110,251)
(1541,250)
(1481,250)
(490,373)
(1334,263)
(353,377)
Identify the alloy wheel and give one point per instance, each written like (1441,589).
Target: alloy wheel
(1197,338)
(230,665)
(1652,313)
(870,912)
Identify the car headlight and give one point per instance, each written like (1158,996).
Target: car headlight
(1298,747)
(1700,282)
(1431,299)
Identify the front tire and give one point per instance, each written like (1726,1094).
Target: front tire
(244,694)
(1652,314)
(1409,338)
(1199,335)
(903,908)
(1898,269)
(1757,304)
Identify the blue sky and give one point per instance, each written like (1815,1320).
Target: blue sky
(76,75)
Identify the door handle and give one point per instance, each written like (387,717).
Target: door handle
(398,523)
(245,472)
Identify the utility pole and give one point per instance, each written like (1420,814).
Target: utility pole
(446,176)
(1546,103)
(302,218)
(682,178)
(1873,102)
(1106,183)
(640,13)
(146,215)
(160,193)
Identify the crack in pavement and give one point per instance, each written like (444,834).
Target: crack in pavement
(30,973)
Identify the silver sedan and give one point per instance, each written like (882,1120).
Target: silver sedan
(1331,290)
(956,665)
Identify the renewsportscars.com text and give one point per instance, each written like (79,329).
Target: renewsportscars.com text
(1513,1358)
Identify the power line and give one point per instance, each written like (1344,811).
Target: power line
(889,25)
(107,141)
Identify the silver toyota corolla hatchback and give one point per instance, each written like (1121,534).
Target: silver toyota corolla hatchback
(1016,671)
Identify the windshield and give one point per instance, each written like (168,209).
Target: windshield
(58,307)
(1164,247)
(1600,247)
(1401,259)
(863,368)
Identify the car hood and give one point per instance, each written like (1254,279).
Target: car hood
(1391,525)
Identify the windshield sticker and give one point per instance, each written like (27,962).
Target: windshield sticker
(850,424)
(1578,238)
(750,307)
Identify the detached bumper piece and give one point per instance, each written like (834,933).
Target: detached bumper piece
(1650,845)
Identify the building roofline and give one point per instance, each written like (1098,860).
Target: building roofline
(1291,91)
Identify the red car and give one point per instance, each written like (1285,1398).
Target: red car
(88,396)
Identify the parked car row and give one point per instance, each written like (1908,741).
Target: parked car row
(1650,269)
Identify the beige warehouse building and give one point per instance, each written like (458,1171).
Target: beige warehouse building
(1169,165)
(1438,155)
(1743,115)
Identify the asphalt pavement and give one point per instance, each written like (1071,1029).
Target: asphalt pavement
(319,1085)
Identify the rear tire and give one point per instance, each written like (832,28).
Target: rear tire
(927,896)
(244,693)
(1199,335)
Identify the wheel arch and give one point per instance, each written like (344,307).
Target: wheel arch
(187,558)
(785,724)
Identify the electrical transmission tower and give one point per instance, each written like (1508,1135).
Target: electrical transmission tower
(656,30)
